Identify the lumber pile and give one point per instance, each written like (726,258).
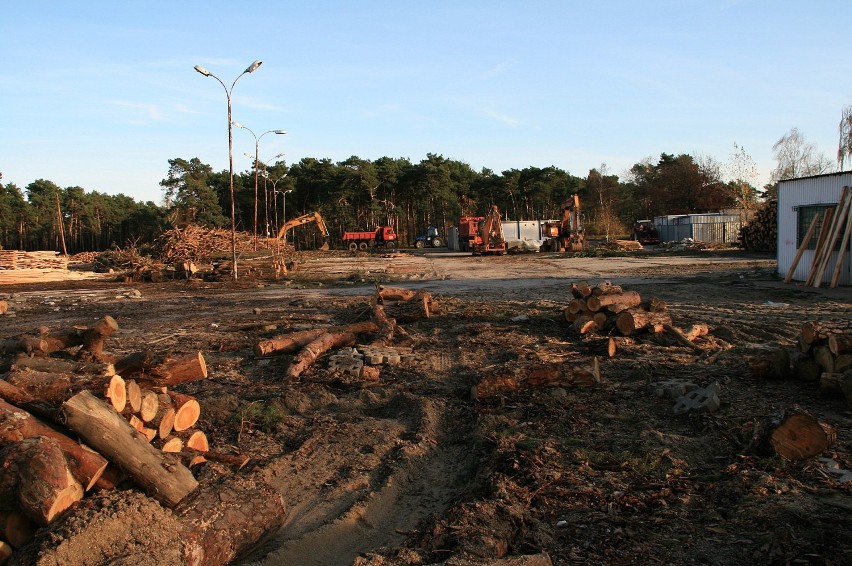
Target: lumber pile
(833,241)
(74,419)
(825,356)
(621,246)
(14,259)
(760,233)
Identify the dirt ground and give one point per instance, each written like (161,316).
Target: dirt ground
(411,470)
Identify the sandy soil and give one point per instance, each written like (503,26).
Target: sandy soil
(412,470)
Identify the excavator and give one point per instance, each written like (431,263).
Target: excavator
(305,219)
(489,237)
(568,233)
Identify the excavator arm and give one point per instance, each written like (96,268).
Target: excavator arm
(315,217)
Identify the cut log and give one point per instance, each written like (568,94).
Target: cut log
(164,420)
(194,440)
(634,320)
(91,339)
(172,444)
(6,552)
(149,406)
(230,518)
(165,479)
(309,354)
(685,338)
(59,365)
(759,361)
(586,372)
(386,327)
(416,308)
(842,362)
(796,435)
(4,307)
(95,337)
(23,400)
(395,293)
(293,342)
(840,344)
(44,484)
(606,288)
(235,460)
(585,325)
(26,344)
(16,528)
(150,369)
(17,424)
(824,358)
(134,395)
(816,330)
(600,347)
(577,306)
(806,369)
(581,289)
(187,411)
(57,387)
(596,302)
(836,383)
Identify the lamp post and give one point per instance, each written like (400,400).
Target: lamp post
(250,69)
(266,191)
(256,151)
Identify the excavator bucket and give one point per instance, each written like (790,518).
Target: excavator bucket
(324,246)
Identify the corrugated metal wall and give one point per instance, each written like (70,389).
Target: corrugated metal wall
(720,228)
(808,191)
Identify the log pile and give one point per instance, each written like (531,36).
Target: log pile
(60,385)
(621,246)
(389,306)
(825,356)
(14,259)
(760,234)
(607,308)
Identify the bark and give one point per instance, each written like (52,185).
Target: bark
(58,387)
(164,479)
(313,350)
(634,320)
(685,338)
(25,344)
(16,528)
(151,369)
(580,290)
(585,372)
(290,343)
(839,384)
(91,339)
(395,293)
(600,347)
(59,365)
(386,327)
(418,307)
(759,361)
(228,519)
(44,486)
(824,358)
(16,424)
(596,303)
(15,396)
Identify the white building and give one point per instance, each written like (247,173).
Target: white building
(799,201)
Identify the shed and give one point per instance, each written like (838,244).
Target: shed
(799,201)
(719,227)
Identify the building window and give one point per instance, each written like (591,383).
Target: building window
(806,216)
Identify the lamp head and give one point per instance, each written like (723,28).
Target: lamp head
(279,131)
(203,71)
(253,67)
(237,124)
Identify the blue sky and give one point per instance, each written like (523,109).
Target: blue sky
(102,94)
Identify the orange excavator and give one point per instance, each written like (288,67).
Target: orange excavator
(305,219)
(489,237)
(566,234)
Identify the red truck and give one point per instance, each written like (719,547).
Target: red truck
(468,231)
(383,236)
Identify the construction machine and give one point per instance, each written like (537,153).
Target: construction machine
(489,237)
(305,219)
(432,238)
(566,234)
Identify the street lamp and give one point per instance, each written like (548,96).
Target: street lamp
(256,151)
(250,69)
(283,209)
(266,190)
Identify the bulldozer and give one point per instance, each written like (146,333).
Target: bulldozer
(489,237)
(305,219)
(566,234)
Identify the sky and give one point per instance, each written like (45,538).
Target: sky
(101,95)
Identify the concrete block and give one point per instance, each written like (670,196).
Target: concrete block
(706,399)
(375,356)
(673,388)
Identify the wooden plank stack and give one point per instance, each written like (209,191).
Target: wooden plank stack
(14,259)
(836,221)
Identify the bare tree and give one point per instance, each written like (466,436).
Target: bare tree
(742,176)
(844,149)
(797,157)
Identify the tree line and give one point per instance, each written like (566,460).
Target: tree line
(360,194)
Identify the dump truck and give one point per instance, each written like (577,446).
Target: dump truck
(383,236)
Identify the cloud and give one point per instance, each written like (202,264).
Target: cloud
(152,111)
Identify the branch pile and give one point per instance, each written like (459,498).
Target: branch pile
(196,244)
(60,386)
